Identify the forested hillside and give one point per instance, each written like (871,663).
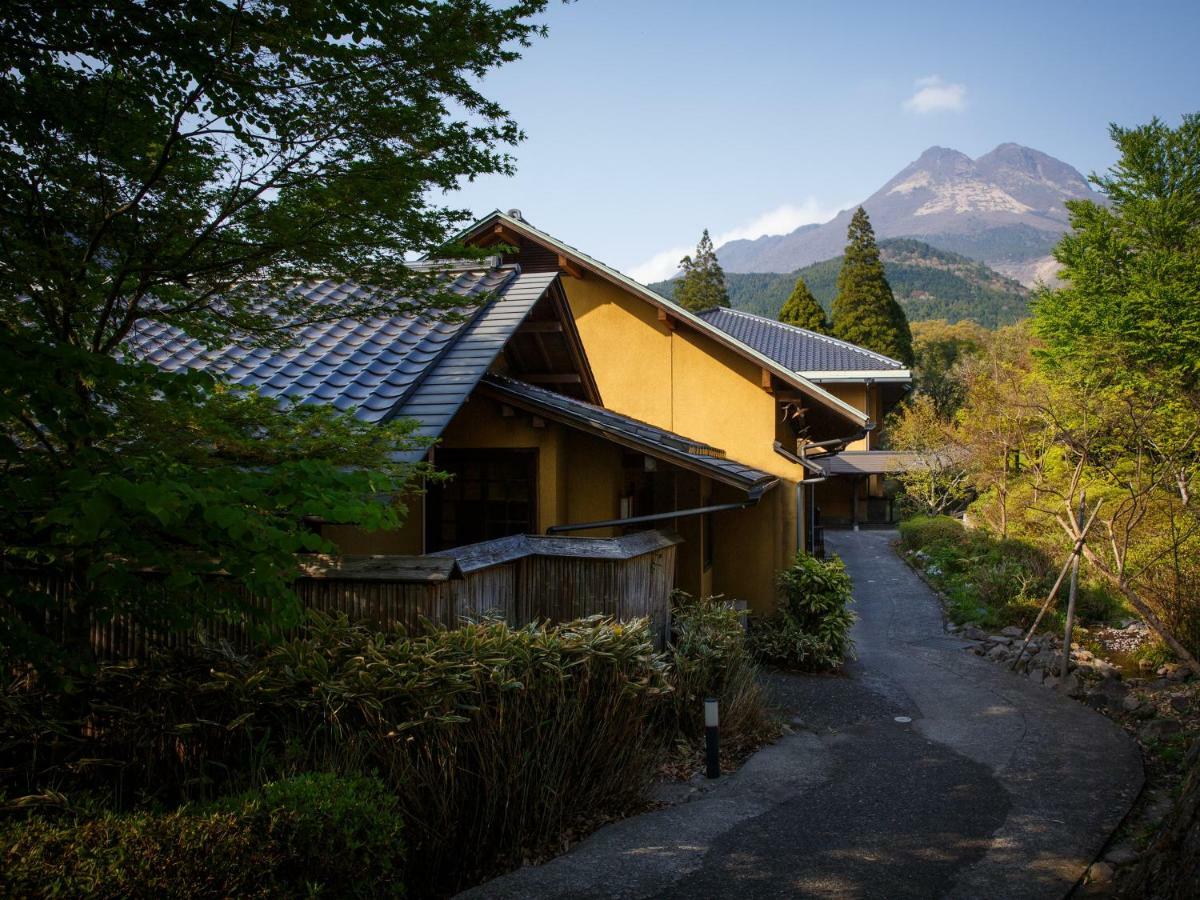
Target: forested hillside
(929,284)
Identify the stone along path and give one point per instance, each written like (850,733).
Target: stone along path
(921,772)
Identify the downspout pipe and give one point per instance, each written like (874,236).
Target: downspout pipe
(655,517)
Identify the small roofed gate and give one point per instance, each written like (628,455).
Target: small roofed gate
(525,578)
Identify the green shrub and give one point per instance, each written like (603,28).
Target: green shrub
(811,627)
(709,657)
(995,581)
(318,835)
(919,532)
(341,832)
(492,738)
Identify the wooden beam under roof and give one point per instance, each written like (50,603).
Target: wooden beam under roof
(570,268)
(791,396)
(667,319)
(541,326)
(765,380)
(506,235)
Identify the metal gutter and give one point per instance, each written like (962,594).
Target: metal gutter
(655,517)
(889,376)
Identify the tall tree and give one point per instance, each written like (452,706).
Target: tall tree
(703,283)
(864,311)
(802,309)
(181,162)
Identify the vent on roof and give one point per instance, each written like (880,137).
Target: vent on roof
(516,214)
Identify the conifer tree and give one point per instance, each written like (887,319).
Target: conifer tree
(703,283)
(865,312)
(803,310)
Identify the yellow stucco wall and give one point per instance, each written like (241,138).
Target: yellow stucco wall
(686,381)
(405,541)
(628,348)
(860,396)
(579,476)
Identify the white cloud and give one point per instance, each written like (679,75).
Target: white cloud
(781,220)
(935,95)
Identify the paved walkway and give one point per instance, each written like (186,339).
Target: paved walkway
(997,788)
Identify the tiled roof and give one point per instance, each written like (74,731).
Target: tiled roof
(798,349)
(379,367)
(870,462)
(657,442)
(791,376)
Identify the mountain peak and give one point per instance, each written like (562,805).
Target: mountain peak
(942,154)
(1005,208)
(941,161)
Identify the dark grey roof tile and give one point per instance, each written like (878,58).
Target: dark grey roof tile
(377,367)
(654,440)
(795,348)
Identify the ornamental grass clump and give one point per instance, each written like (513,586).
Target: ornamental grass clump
(811,626)
(709,658)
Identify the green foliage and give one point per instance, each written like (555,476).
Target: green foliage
(995,581)
(864,311)
(709,658)
(920,532)
(936,482)
(811,626)
(156,170)
(1131,300)
(174,473)
(801,309)
(343,833)
(702,285)
(314,835)
(940,349)
(152,162)
(492,738)
(1121,357)
(928,283)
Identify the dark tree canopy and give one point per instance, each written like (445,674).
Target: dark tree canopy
(802,309)
(184,161)
(702,285)
(155,157)
(864,311)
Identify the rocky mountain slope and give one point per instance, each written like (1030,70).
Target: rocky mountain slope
(929,284)
(1004,208)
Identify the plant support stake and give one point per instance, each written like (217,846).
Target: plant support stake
(1074,588)
(1079,542)
(712,738)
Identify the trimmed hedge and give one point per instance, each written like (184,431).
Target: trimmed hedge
(313,835)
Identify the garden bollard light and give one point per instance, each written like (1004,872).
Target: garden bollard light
(712,738)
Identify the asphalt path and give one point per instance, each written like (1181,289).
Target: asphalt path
(921,771)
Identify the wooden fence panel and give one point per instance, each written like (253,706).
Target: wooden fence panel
(524,579)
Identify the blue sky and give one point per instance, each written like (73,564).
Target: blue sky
(648,120)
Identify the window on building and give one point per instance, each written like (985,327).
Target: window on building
(492,494)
